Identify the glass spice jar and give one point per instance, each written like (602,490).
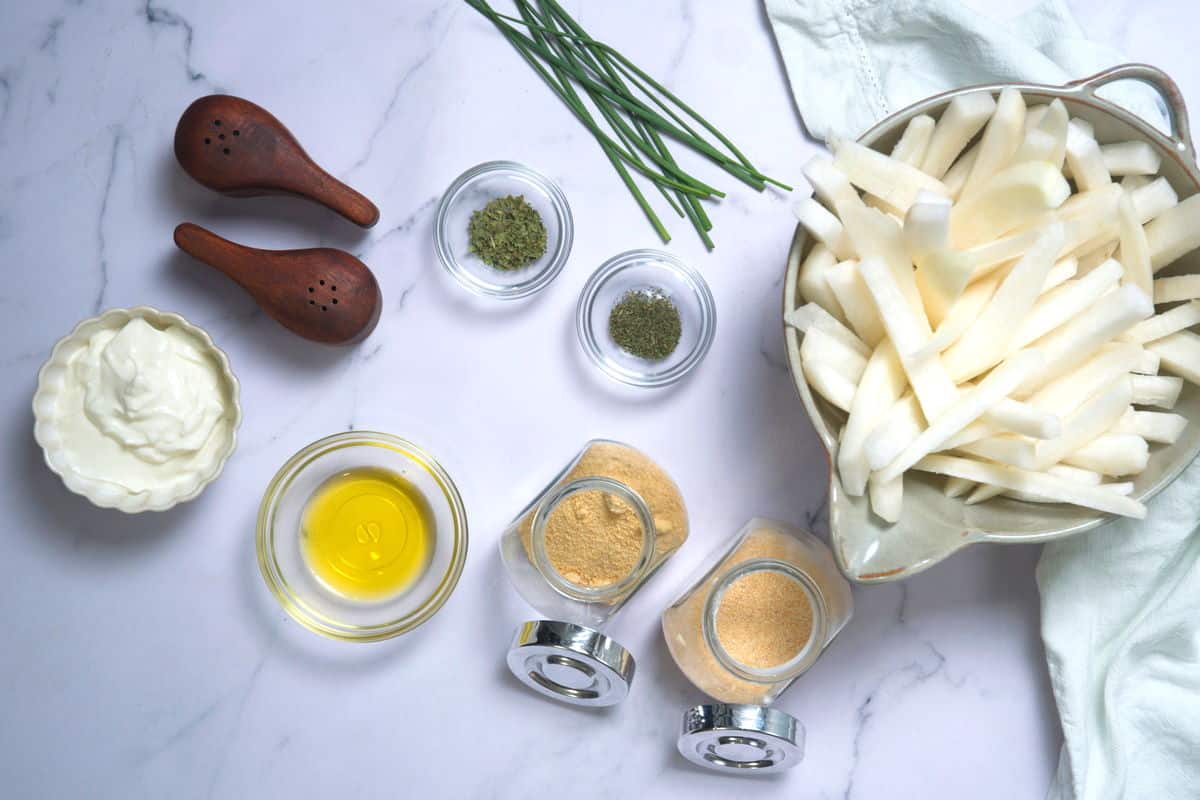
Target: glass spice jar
(577,553)
(758,617)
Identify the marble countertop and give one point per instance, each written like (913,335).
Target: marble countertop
(143,656)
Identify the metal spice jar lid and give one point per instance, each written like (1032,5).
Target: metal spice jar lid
(741,738)
(571,663)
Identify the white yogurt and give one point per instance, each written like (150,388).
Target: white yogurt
(140,407)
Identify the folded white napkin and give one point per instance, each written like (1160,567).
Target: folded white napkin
(1120,606)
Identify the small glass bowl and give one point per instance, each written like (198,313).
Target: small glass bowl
(474,189)
(282,563)
(646,271)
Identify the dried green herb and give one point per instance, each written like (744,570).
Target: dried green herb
(507,233)
(645,324)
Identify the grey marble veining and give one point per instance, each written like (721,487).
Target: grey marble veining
(143,657)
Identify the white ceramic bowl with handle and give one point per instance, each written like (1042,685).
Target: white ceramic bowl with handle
(933,526)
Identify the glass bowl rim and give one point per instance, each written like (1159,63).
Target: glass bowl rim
(682,270)
(264,540)
(538,280)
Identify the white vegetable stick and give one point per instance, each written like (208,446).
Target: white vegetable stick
(895,214)
(986,342)
(1069,391)
(1081,476)
(970,405)
(1148,363)
(1016,417)
(813,283)
(956,487)
(1176,288)
(1084,125)
(887,498)
(825,227)
(1054,123)
(908,332)
(820,347)
(1153,199)
(1134,254)
(1050,486)
(959,123)
(880,386)
(1130,158)
(1085,159)
(892,181)
(1179,318)
(1090,420)
(1131,182)
(1074,342)
(985,258)
(1004,450)
(942,277)
(830,186)
(875,235)
(914,142)
(1010,199)
(1174,232)
(1063,270)
(900,426)
(956,176)
(1092,219)
(1038,145)
(1077,474)
(1062,304)
(1090,260)
(1156,390)
(1114,454)
(927,225)
(1180,354)
(1000,141)
(852,295)
(811,315)
(828,382)
(1153,426)
(1034,116)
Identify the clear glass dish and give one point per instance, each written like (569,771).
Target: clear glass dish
(282,563)
(474,189)
(646,271)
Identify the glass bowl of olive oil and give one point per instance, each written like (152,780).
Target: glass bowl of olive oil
(362,536)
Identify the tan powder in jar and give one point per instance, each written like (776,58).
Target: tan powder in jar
(765,618)
(594,538)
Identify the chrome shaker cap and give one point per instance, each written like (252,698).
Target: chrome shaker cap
(741,738)
(571,663)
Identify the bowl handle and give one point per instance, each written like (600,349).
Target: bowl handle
(1161,82)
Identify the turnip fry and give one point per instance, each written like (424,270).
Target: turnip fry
(987,257)
(825,227)
(876,235)
(1055,123)
(927,225)
(941,278)
(914,142)
(1176,288)
(1012,198)
(970,405)
(1064,303)
(811,315)
(1085,159)
(1034,116)
(956,176)
(985,343)
(1153,426)
(887,498)
(819,346)
(956,487)
(1153,199)
(1038,145)
(959,123)
(1156,390)
(813,280)
(1135,247)
(1038,483)
(1131,182)
(1083,476)
(1013,450)
(959,317)
(1180,354)
(1000,141)
(1017,417)
(830,186)
(851,293)
(1090,420)
(881,384)
(900,426)
(1179,318)
(1070,390)
(894,182)
(1115,454)
(1072,343)
(1174,232)
(828,382)
(1130,158)
(1147,364)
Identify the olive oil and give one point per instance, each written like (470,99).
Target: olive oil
(367,534)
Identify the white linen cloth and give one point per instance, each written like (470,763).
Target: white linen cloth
(1120,606)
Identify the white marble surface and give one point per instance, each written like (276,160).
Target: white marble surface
(143,657)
